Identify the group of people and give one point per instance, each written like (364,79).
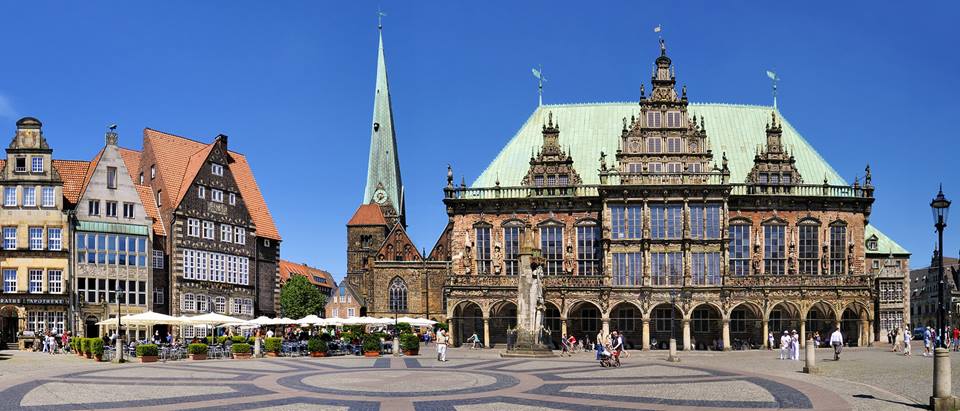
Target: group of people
(56,344)
(612,344)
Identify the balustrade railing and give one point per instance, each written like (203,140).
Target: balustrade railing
(667,178)
(737,189)
(798,281)
(801,190)
(483,280)
(572,281)
(489,193)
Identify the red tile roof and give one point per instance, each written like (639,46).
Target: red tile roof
(131,159)
(368,214)
(73,173)
(176,163)
(150,206)
(288,268)
(89,174)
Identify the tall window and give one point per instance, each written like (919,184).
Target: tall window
(201,192)
(588,250)
(36,238)
(127,210)
(111,177)
(111,209)
(158,295)
(47,194)
(673,145)
(9,238)
(627,222)
(705,221)
(216,169)
(627,269)
(551,244)
(54,281)
(29,196)
(220,305)
(54,239)
(36,164)
(511,243)
(666,268)
(10,196)
(666,221)
(240,235)
(208,230)
(739,249)
(226,233)
(36,281)
(654,145)
(9,281)
(653,119)
(809,252)
(93,207)
(398,295)
(157,259)
(774,257)
(838,249)
(193,227)
(216,195)
(706,268)
(673,119)
(483,250)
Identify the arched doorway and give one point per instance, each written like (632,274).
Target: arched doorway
(746,327)
(469,320)
(551,320)
(706,332)
(820,319)
(503,316)
(9,323)
(584,320)
(851,325)
(665,324)
(784,316)
(627,319)
(90,327)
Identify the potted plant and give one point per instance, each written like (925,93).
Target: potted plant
(147,352)
(241,351)
(96,347)
(197,351)
(371,345)
(317,347)
(85,347)
(239,339)
(410,344)
(272,346)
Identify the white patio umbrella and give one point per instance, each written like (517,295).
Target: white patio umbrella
(333,321)
(213,319)
(261,320)
(416,322)
(150,318)
(311,320)
(283,321)
(353,321)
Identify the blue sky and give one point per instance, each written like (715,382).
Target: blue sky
(292,84)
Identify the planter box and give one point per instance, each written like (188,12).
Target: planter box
(411,352)
(198,356)
(272,354)
(99,358)
(318,354)
(371,353)
(88,355)
(148,358)
(238,356)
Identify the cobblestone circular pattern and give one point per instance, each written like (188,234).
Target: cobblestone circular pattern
(414,384)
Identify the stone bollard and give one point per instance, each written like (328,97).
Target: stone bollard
(396,346)
(257,351)
(673,351)
(118,358)
(941,399)
(811,360)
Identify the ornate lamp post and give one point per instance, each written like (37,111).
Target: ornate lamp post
(941,398)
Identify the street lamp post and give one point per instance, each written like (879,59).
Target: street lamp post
(941,398)
(673,357)
(119,292)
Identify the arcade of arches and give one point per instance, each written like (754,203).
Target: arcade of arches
(698,326)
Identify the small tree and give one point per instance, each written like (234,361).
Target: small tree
(299,298)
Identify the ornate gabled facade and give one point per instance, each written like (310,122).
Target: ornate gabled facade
(669,239)
(551,168)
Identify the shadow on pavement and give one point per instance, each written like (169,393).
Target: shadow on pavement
(871,397)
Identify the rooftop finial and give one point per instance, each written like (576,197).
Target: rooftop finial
(663,45)
(380,15)
(538,73)
(774,79)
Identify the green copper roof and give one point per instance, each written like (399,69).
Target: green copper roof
(384,163)
(588,129)
(885,245)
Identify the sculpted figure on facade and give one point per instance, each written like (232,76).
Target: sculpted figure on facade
(497,259)
(568,261)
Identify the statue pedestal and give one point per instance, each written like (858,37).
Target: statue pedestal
(528,346)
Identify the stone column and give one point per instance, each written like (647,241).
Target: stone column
(486,332)
(686,334)
(766,331)
(865,340)
(563,326)
(454,339)
(606,325)
(941,398)
(726,334)
(803,333)
(646,335)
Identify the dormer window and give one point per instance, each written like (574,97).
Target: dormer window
(36,164)
(216,169)
(538,181)
(21,165)
(112,177)
(872,243)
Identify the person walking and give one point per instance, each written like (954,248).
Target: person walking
(897,340)
(795,346)
(598,345)
(770,341)
(907,338)
(927,341)
(784,345)
(956,339)
(441,345)
(836,340)
(816,339)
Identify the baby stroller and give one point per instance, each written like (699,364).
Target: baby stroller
(609,359)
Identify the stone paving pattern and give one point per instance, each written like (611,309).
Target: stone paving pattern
(864,379)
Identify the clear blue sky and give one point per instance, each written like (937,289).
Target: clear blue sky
(292,84)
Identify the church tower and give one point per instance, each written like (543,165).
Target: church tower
(384,186)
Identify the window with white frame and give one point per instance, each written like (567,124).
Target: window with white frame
(112,177)
(158,295)
(673,145)
(201,191)
(202,258)
(128,210)
(588,249)
(673,119)
(482,246)
(188,303)
(216,169)
(240,235)
(705,268)
(627,269)
(10,196)
(653,119)
(193,227)
(54,239)
(208,230)
(350,312)
(654,144)
(335,313)
(111,209)
(153,172)
(9,280)
(838,249)
(93,207)
(29,196)
(232,273)
(111,249)
(220,305)
(226,233)
(54,281)
(216,267)
(157,258)
(47,194)
(36,281)
(189,264)
(237,305)
(36,238)
(233,199)
(216,195)
(36,164)
(9,238)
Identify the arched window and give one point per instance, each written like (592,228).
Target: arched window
(398,295)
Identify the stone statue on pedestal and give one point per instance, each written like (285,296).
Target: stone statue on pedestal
(530,305)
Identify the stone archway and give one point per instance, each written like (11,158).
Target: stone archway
(468,317)
(746,326)
(820,320)
(503,316)
(9,324)
(90,327)
(627,319)
(665,323)
(552,321)
(854,325)
(784,316)
(585,320)
(706,328)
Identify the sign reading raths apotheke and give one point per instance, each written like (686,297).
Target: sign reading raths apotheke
(33,300)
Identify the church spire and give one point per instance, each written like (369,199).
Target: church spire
(384,186)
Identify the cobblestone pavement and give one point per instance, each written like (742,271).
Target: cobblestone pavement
(471,380)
